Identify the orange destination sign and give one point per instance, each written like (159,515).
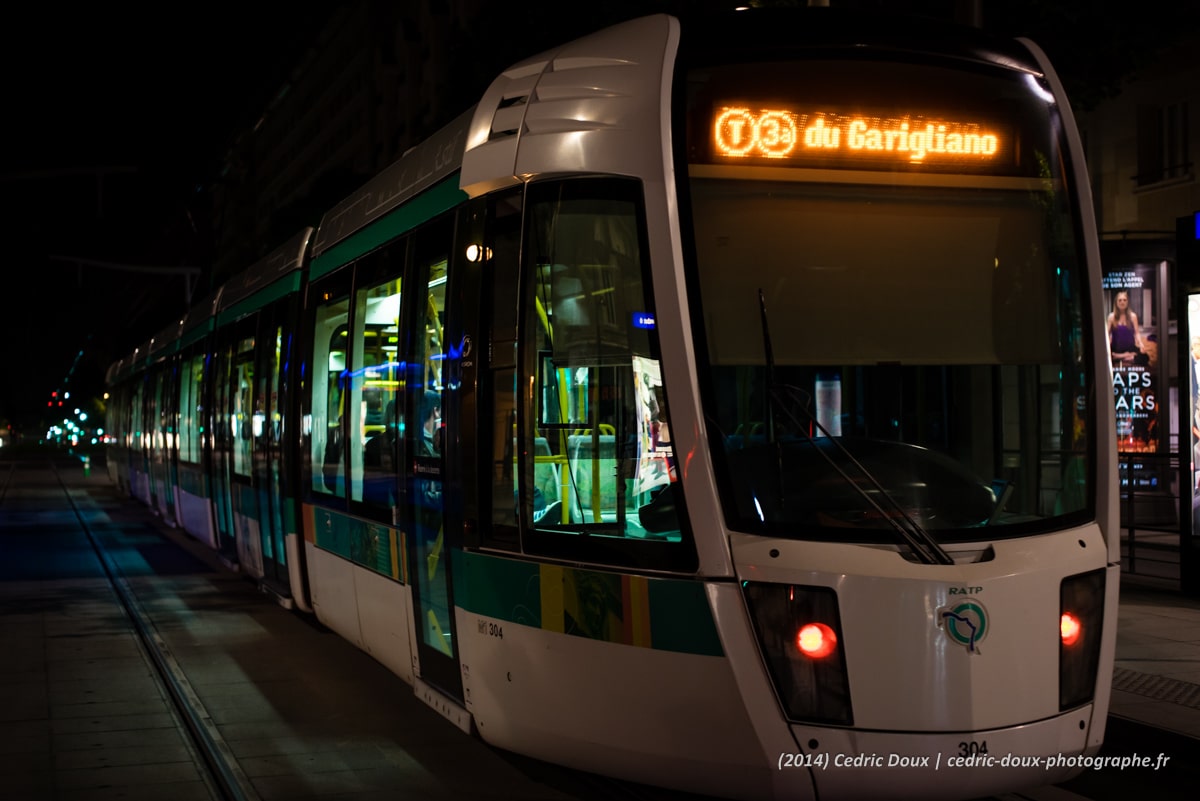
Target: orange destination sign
(785,134)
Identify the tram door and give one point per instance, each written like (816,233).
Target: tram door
(267,430)
(429,557)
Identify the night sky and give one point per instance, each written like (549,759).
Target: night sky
(114,120)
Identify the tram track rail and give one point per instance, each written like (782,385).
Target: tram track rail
(220,770)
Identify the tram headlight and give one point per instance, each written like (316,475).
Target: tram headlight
(799,632)
(1081,616)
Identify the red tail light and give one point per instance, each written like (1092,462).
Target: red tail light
(1070,628)
(799,631)
(1081,617)
(816,640)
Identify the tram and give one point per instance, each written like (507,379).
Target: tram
(718,405)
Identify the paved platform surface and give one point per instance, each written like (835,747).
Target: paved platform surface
(1156,679)
(304,714)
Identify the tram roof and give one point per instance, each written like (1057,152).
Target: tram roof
(269,278)
(421,168)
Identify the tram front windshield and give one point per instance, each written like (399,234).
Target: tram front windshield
(891,296)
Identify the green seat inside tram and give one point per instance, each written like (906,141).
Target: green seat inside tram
(593,469)
(546,476)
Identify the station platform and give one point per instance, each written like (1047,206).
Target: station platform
(1156,679)
(296,712)
(300,713)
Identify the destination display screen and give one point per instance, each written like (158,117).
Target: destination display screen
(791,135)
(870,116)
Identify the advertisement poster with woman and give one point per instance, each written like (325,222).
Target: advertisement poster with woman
(1193,362)
(1131,324)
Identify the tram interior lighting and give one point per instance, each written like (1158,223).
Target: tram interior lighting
(1081,612)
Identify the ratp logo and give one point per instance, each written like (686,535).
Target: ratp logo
(965,623)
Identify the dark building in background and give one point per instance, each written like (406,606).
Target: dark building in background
(377,80)
(1141,146)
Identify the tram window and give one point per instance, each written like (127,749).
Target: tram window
(428,360)
(920,312)
(967,401)
(265,424)
(136,429)
(161,417)
(374,387)
(430,257)
(190,410)
(599,456)
(270,414)
(982,351)
(328,402)
(242,415)
(431,333)
(221,405)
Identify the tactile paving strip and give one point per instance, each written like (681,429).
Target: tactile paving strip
(1160,688)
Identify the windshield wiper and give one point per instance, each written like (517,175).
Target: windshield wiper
(770,357)
(919,541)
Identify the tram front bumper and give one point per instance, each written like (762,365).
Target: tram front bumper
(850,764)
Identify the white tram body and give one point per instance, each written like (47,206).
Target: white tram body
(872,549)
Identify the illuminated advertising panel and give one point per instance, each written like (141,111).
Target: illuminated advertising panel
(1132,326)
(1193,401)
